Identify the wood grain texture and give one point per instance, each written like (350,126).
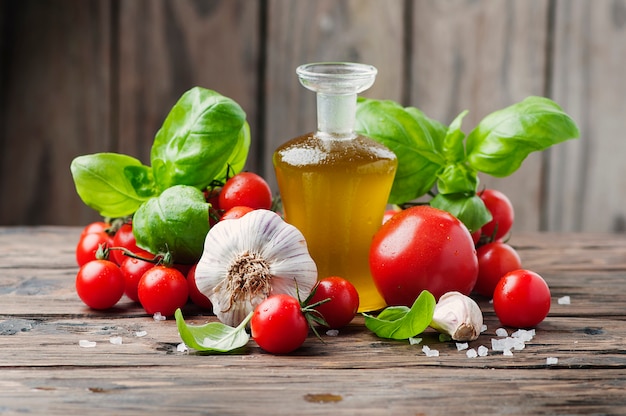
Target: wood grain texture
(44,371)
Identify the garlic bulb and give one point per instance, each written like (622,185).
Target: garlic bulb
(458,316)
(246,260)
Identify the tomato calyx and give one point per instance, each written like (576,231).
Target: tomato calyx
(311,314)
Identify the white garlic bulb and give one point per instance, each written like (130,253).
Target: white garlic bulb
(246,260)
(458,316)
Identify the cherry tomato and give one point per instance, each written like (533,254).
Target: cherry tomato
(212,196)
(494,261)
(521,299)
(343,304)
(236,212)
(422,248)
(278,324)
(133,269)
(502,212)
(390,213)
(162,289)
(125,238)
(197,297)
(100,284)
(88,245)
(247,189)
(95,227)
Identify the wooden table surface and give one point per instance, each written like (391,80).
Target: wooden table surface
(44,371)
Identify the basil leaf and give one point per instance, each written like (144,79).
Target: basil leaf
(468,208)
(503,139)
(457,178)
(413,137)
(238,157)
(453,141)
(213,336)
(197,139)
(175,221)
(400,322)
(115,185)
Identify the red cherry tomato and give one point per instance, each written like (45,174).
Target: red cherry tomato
(247,189)
(197,297)
(212,196)
(236,212)
(502,212)
(133,270)
(521,299)
(88,245)
(162,289)
(343,304)
(422,248)
(95,227)
(278,324)
(100,284)
(390,213)
(494,261)
(125,238)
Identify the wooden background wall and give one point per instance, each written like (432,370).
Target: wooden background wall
(85,76)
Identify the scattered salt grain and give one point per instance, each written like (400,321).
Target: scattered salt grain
(115,340)
(482,351)
(414,341)
(460,346)
(471,353)
(524,334)
(552,361)
(86,344)
(483,328)
(564,300)
(141,334)
(507,352)
(158,317)
(332,332)
(182,347)
(501,332)
(430,353)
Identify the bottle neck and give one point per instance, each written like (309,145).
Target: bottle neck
(336,114)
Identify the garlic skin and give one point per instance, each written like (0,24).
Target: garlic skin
(245,260)
(458,316)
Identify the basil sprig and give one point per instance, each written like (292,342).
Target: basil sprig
(432,156)
(204,136)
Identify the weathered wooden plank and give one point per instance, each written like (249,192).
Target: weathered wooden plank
(301,32)
(169,47)
(55,105)
(587,184)
(482,56)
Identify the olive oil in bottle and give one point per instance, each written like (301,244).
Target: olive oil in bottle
(335,183)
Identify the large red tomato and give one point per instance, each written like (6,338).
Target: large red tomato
(422,248)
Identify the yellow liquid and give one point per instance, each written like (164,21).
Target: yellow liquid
(335,192)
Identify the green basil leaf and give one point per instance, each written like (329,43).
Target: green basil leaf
(115,185)
(453,147)
(400,322)
(503,139)
(468,208)
(175,221)
(213,336)
(197,139)
(457,178)
(413,137)
(238,157)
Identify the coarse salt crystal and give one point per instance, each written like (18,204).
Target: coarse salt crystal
(501,332)
(482,351)
(524,335)
(471,353)
(86,344)
(115,340)
(430,352)
(507,352)
(182,347)
(414,341)
(483,328)
(141,334)
(564,300)
(332,332)
(158,317)
(552,360)
(460,346)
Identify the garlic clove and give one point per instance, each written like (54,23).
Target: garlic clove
(250,258)
(459,316)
